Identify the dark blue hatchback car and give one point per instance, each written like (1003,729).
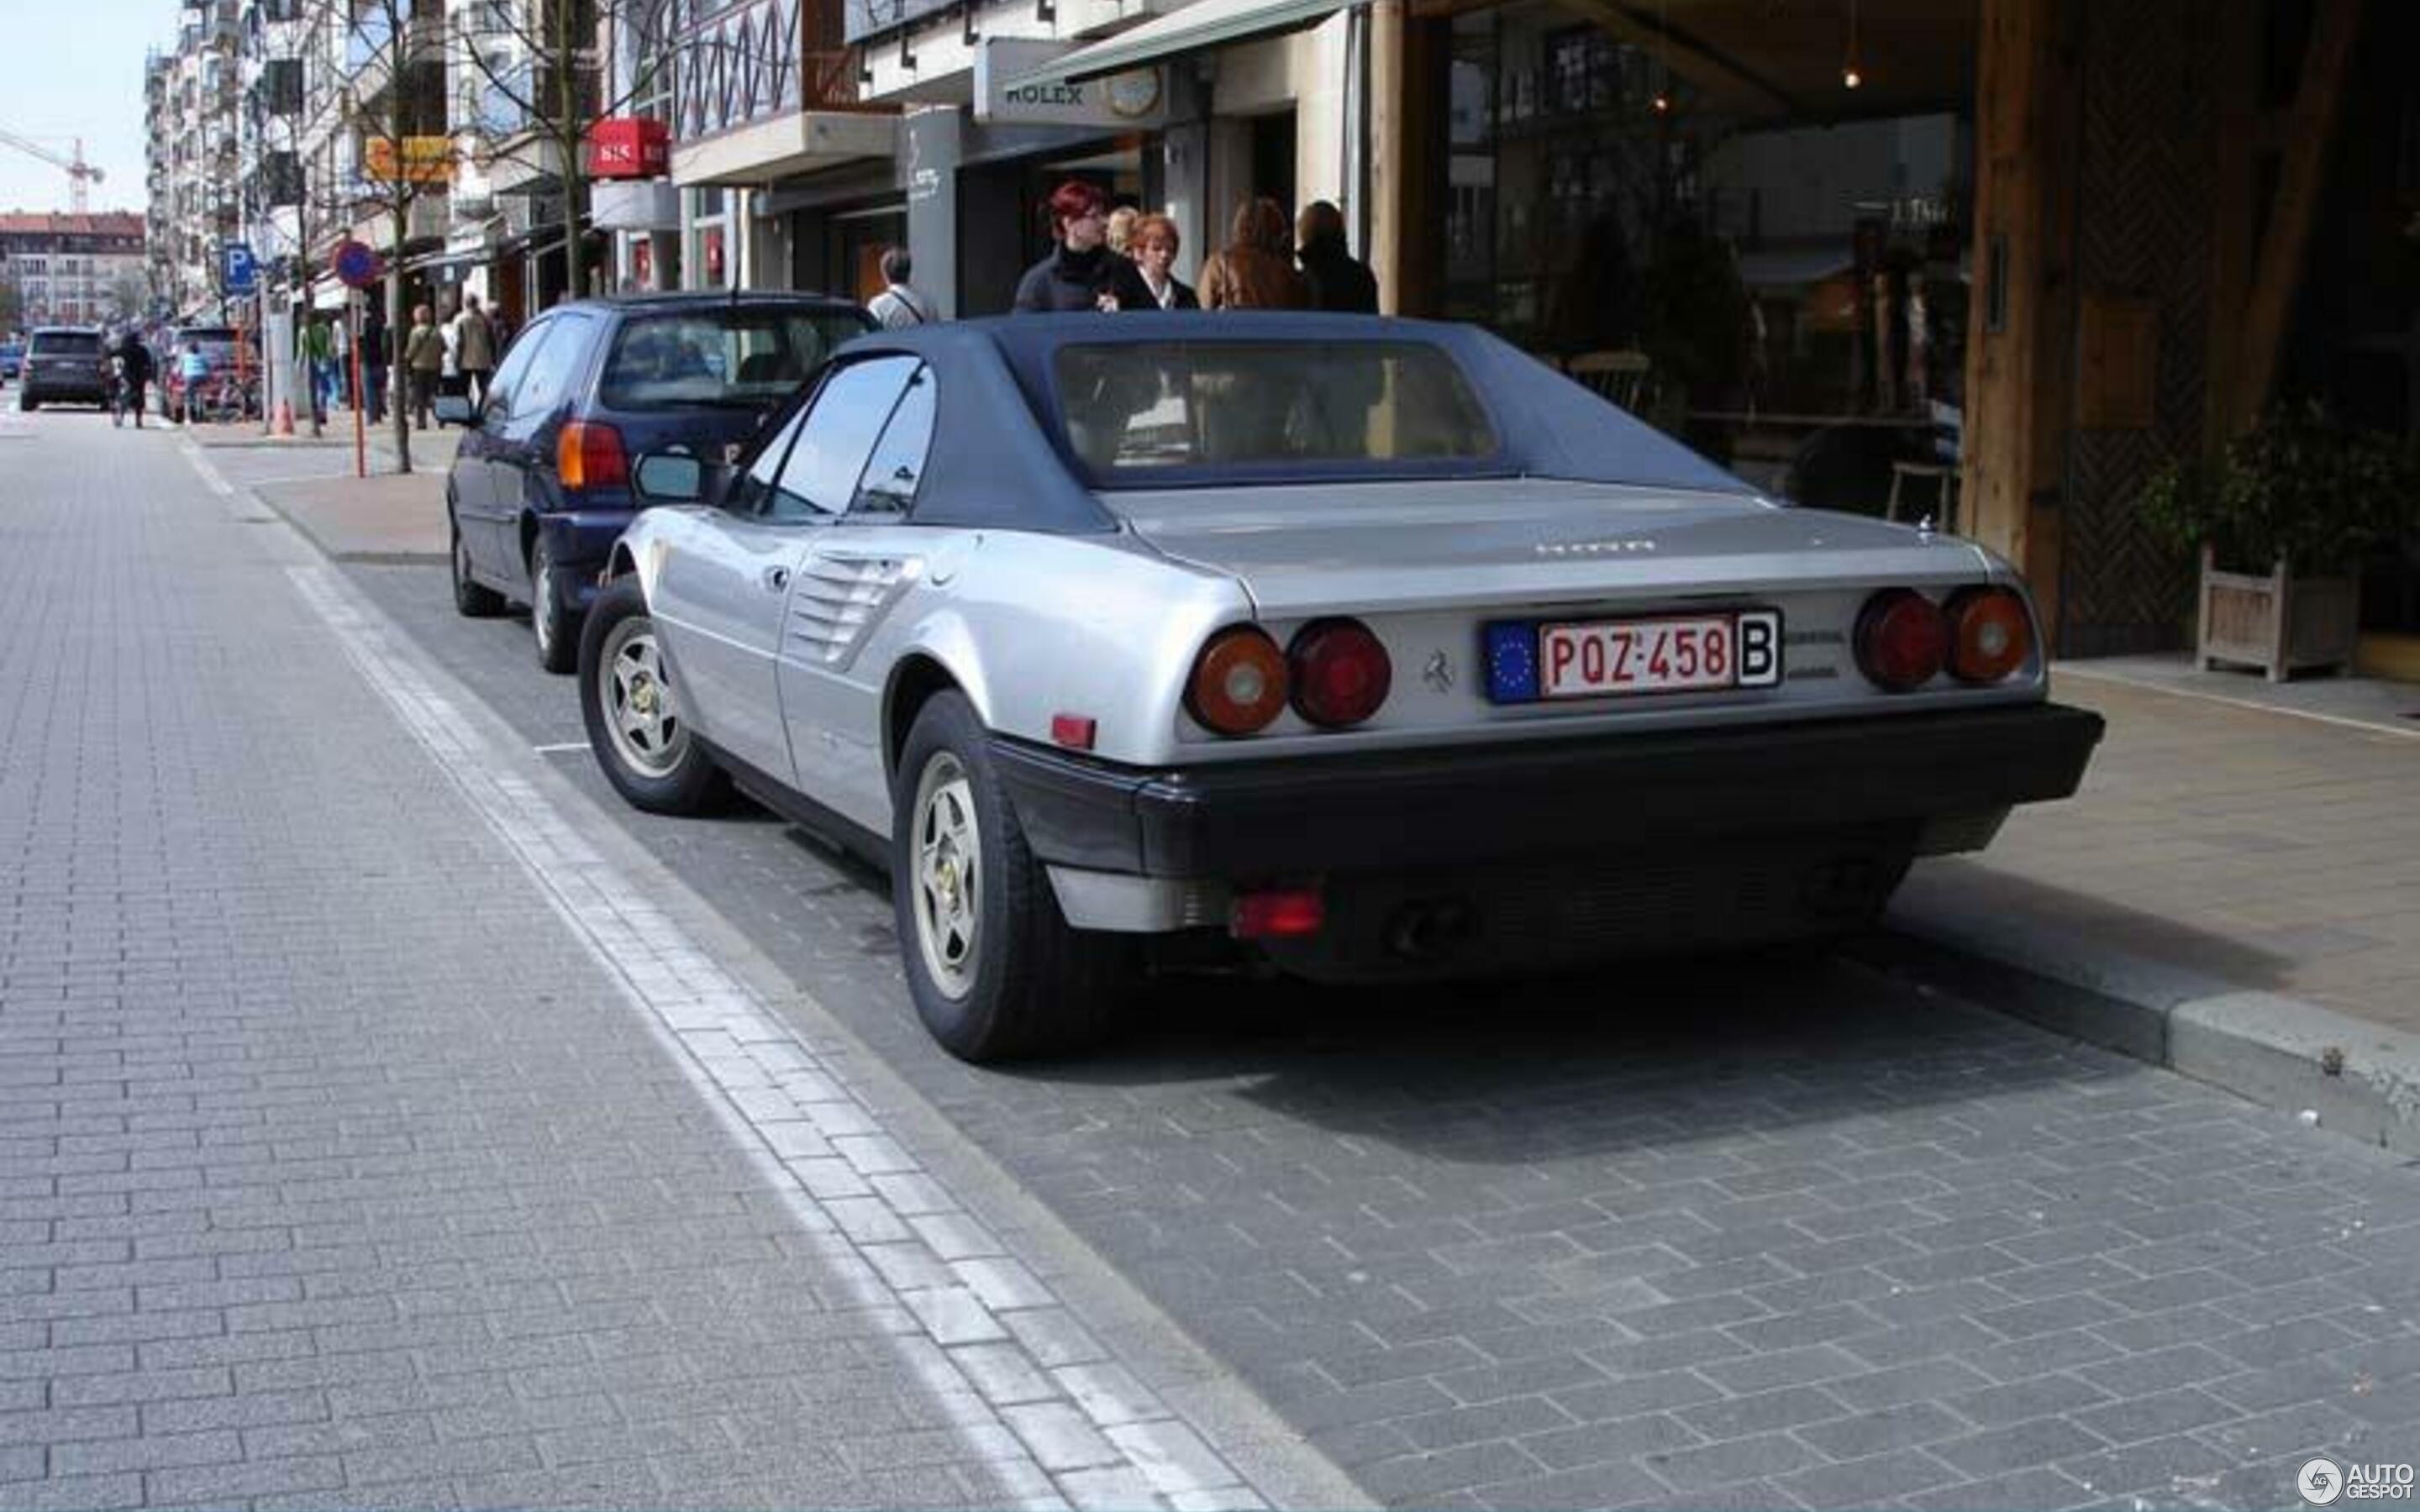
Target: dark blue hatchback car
(541,485)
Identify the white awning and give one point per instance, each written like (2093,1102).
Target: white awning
(1203,23)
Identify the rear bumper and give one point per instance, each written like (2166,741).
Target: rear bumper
(1620,795)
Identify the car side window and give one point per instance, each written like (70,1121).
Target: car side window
(753,489)
(508,380)
(554,368)
(819,477)
(889,486)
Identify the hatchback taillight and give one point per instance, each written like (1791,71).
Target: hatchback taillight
(1340,672)
(589,455)
(1902,640)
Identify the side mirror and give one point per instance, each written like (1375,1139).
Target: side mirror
(670,478)
(457,410)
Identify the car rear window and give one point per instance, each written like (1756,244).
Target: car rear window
(67,343)
(1154,408)
(735,356)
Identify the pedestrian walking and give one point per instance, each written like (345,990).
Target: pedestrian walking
(1255,269)
(423,362)
(313,351)
(475,347)
(135,372)
(899,305)
(1082,273)
(1338,280)
(450,380)
(1155,244)
(378,355)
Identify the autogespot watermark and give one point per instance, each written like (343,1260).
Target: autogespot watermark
(2322,1481)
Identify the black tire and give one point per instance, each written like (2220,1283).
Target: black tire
(27,403)
(473,599)
(555,621)
(1025,983)
(683,780)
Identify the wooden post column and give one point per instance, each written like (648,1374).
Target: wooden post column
(2021,319)
(1407,94)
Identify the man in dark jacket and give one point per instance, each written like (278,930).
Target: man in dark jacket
(1339,281)
(1082,273)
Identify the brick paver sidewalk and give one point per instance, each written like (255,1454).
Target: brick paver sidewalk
(2245,845)
(333,1171)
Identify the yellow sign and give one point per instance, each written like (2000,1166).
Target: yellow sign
(424,159)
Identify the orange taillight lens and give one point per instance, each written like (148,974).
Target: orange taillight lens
(1239,681)
(1991,635)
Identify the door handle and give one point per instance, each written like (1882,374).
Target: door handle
(776,578)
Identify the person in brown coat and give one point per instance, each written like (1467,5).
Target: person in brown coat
(1255,269)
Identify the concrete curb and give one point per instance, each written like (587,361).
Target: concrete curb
(2359,1079)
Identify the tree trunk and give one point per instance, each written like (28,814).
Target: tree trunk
(395,290)
(567,141)
(395,376)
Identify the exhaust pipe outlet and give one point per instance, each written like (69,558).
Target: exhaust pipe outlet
(1429,931)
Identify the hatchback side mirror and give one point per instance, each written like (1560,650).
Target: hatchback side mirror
(670,478)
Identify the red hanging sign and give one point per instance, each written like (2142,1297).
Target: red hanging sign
(629,146)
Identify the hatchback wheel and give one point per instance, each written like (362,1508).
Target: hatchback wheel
(995,971)
(633,713)
(550,615)
(473,599)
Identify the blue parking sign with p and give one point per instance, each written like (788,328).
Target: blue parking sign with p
(240,273)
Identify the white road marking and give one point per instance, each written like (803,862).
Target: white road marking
(210,475)
(884,1224)
(561,749)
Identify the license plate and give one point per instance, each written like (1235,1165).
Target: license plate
(1613,658)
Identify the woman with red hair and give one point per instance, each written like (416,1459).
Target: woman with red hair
(1082,273)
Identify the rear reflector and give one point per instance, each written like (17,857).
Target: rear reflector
(1267,915)
(1072,731)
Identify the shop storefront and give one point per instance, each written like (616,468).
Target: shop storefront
(1775,261)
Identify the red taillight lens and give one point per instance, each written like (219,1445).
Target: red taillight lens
(1239,681)
(1275,915)
(1340,672)
(1991,635)
(1901,639)
(589,455)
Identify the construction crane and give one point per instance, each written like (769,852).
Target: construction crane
(78,170)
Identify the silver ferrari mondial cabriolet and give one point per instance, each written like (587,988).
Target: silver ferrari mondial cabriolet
(1373,646)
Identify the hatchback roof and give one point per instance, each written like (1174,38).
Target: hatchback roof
(708,299)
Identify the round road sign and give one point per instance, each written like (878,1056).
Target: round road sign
(356,263)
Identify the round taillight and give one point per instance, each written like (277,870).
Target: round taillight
(1990,634)
(1340,672)
(1239,681)
(1902,640)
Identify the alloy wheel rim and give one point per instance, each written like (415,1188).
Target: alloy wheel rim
(947,874)
(542,590)
(648,735)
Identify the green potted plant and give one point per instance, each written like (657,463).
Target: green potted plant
(2280,519)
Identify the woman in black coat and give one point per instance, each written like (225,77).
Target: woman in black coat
(1082,273)
(1154,244)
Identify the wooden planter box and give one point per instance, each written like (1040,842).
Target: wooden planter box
(2278,621)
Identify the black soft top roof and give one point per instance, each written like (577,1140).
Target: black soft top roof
(999,417)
